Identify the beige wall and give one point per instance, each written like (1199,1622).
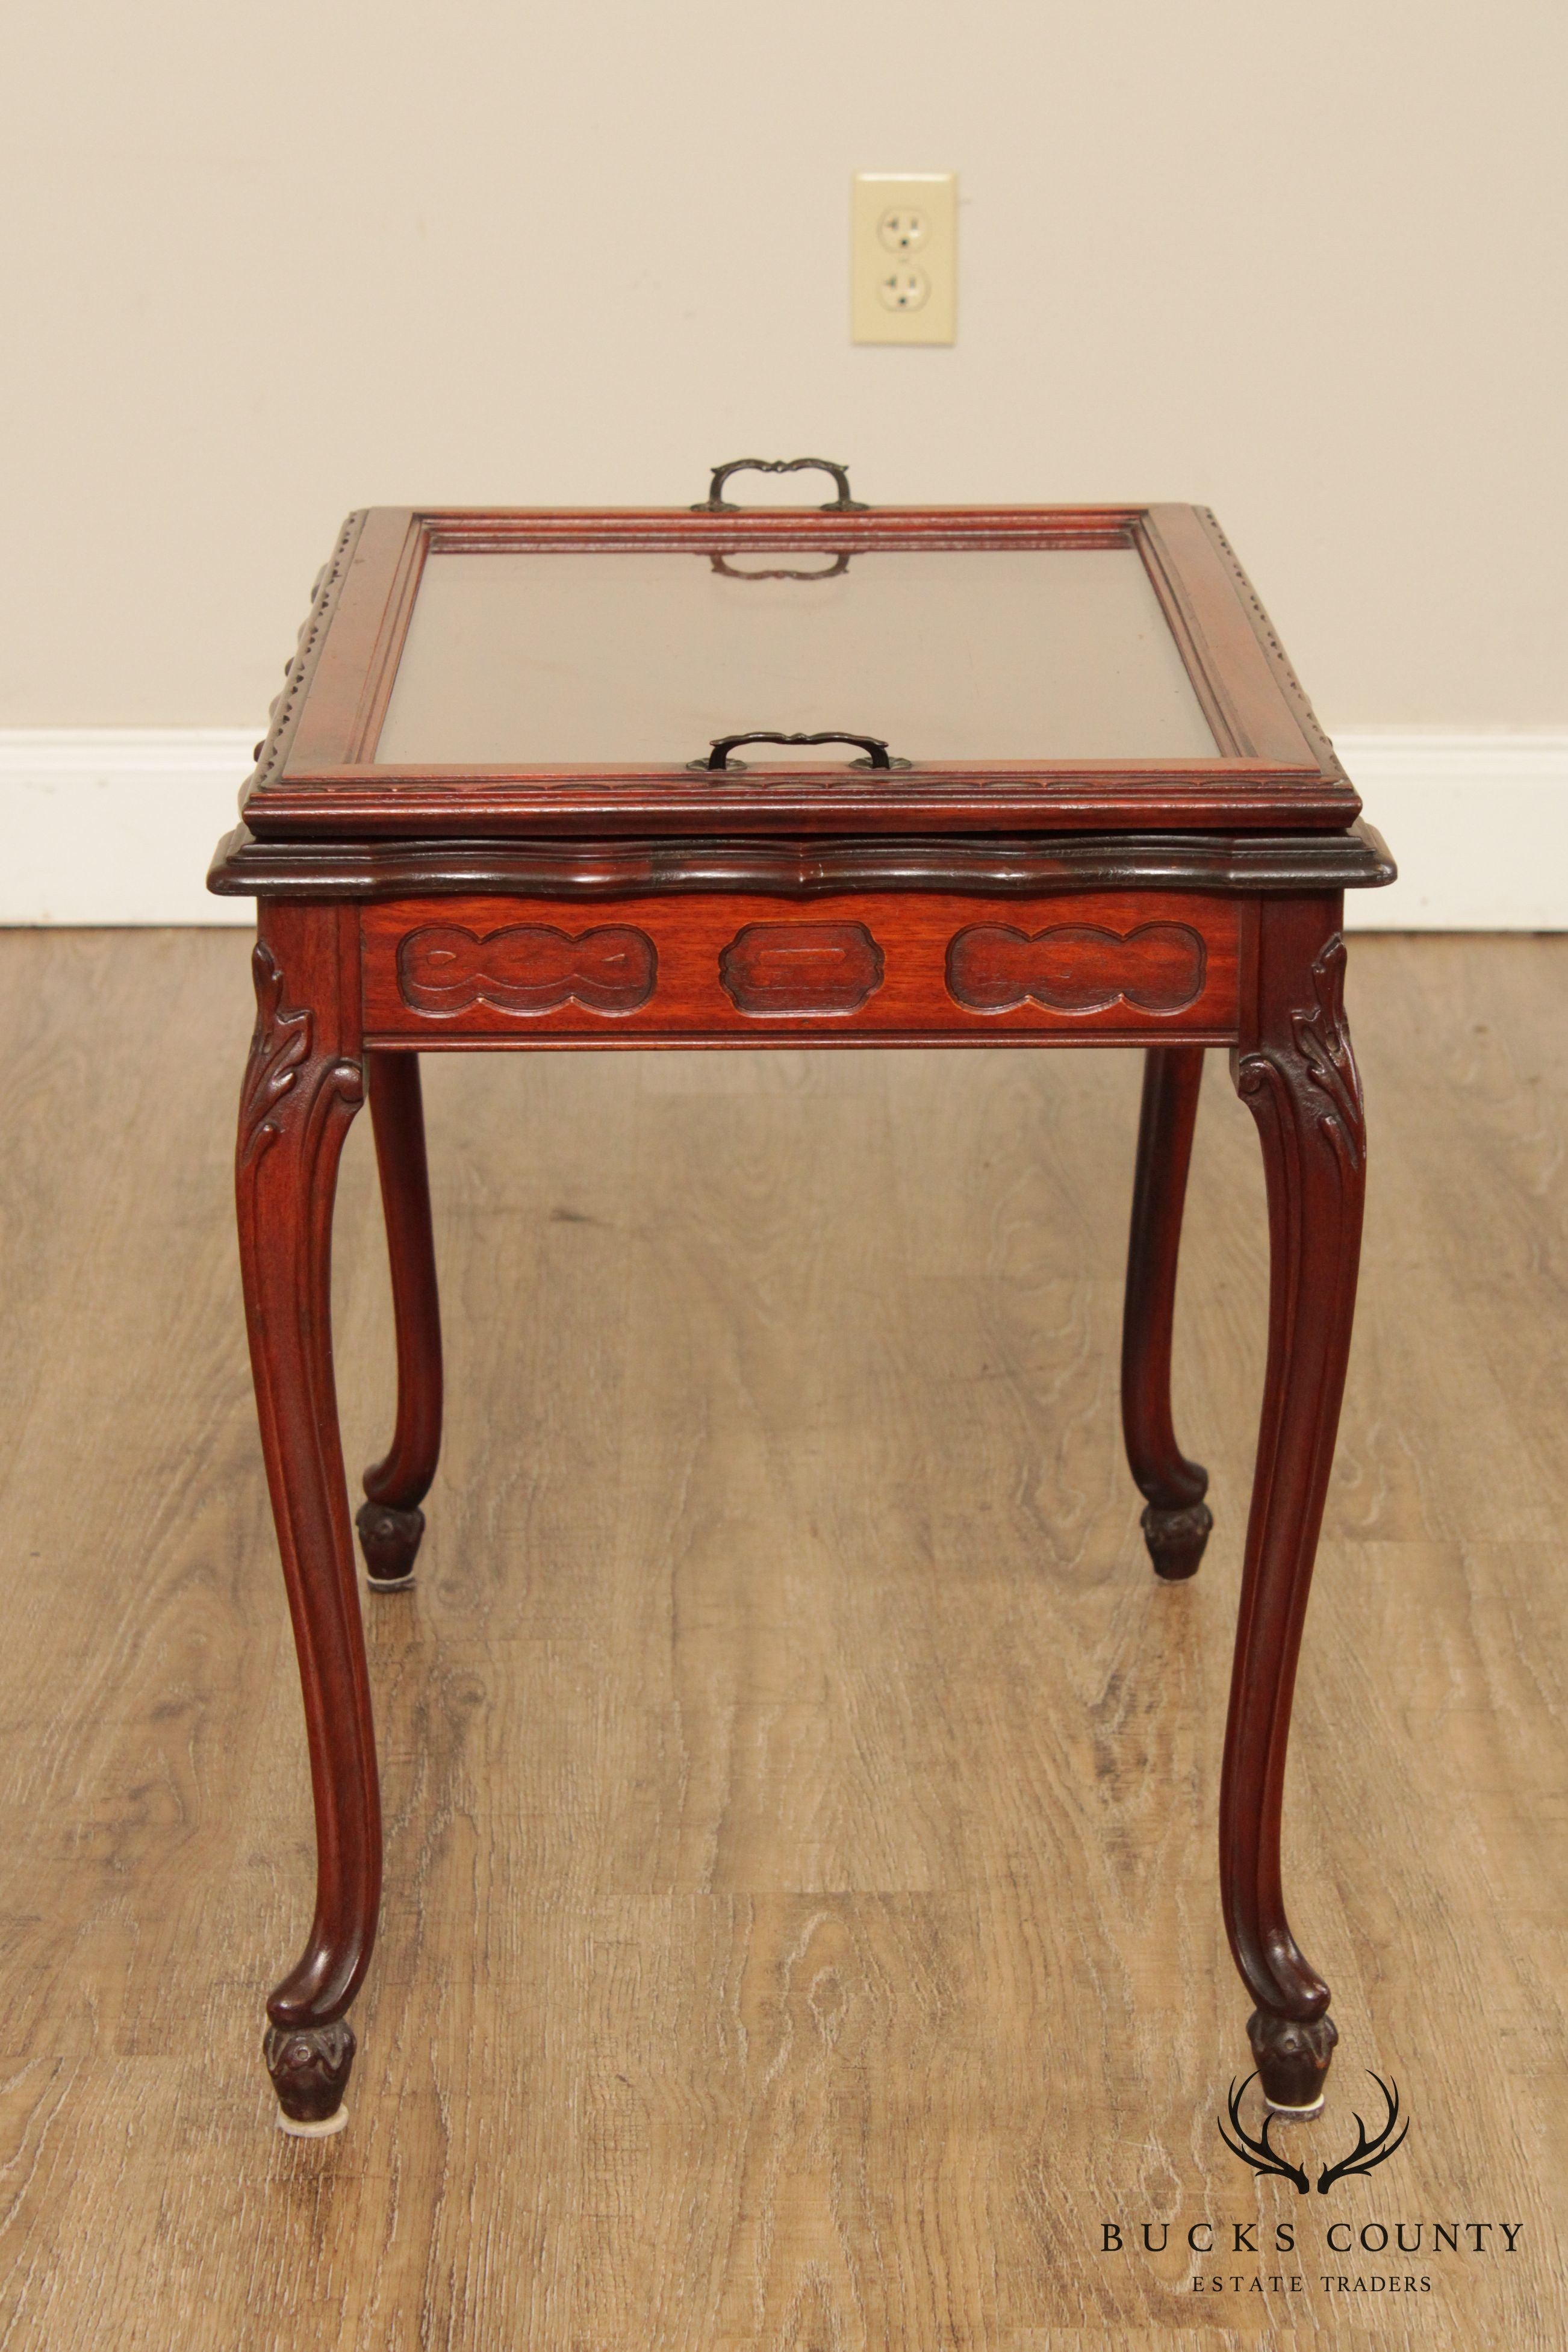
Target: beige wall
(1299,258)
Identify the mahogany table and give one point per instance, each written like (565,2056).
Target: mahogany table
(500,806)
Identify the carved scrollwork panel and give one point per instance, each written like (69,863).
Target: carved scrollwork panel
(795,968)
(530,969)
(1077,967)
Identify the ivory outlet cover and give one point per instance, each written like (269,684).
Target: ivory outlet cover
(903,250)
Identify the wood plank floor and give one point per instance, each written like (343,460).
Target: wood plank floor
(801,1928)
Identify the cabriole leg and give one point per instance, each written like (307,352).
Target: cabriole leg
(1176,1520)
(302,1088)
(1298,1079)
(390,1521)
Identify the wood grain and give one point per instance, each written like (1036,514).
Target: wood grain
(792,1771)
(733,967)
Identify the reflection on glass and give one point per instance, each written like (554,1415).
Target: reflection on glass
(736,568)
(641,658)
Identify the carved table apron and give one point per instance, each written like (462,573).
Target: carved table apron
(378,941)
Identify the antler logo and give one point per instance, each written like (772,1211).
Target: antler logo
(1263,2156)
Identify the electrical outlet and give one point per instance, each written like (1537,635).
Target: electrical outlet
(903,255)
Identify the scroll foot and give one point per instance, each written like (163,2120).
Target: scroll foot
(310,2069)
(1176,1538)
(390,1540)
(1292,2060)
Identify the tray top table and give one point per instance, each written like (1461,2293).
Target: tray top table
(726,776)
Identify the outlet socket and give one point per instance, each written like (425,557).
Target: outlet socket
(903,257)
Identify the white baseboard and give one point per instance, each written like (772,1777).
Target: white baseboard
(115,826)
(118,825)
(1478,825)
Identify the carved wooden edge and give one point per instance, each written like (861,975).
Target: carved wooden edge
(1233,865)
(1268,638)
(297,670)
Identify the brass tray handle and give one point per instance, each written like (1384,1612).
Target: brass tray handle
(873,746)
(717,503)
